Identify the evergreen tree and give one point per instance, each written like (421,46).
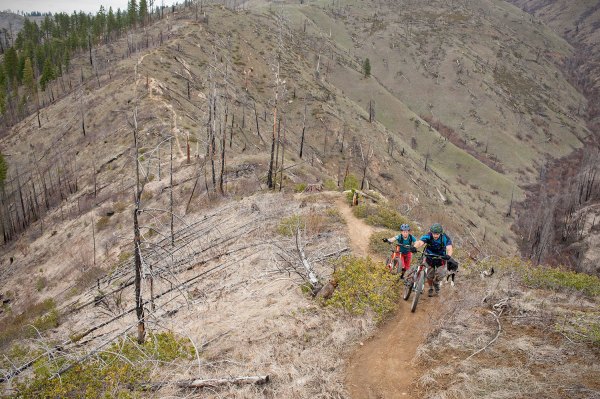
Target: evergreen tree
(3,170)
(2,91)
(367,68)
(143,12)
(48,74)
(11,63)
(29,78)
(132,13)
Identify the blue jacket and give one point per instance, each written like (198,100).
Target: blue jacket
(436,247)
(405,244)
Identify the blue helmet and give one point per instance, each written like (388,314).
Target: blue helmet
(404,227)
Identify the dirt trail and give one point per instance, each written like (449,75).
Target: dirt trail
(358,230)
(381,367)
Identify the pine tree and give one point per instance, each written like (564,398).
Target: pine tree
(3,170)
(143,12)
(132,11)
(11,62)
(29,78)
(367,68)
(48,74)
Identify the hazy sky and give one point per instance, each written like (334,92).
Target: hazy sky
(67,6)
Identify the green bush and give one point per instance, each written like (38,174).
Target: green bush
(300,187)
(119,372)
(364,284)
(351,182)
(330,185)
(543,277)
(379,215)
(559,279)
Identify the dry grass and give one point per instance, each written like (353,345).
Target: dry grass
(532,354)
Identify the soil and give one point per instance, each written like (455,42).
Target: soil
(381,366)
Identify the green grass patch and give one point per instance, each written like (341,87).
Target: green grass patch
(364,284)
(118,372)
(287,226)
(41,315)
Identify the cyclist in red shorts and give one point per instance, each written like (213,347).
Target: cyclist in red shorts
(404,245)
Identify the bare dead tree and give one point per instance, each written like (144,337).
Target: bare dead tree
(365,156)
(303,129)
(141,330)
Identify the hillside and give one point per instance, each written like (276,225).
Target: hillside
(179,122)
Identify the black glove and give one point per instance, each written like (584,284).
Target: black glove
(413,250)
(446,257)
(384,240)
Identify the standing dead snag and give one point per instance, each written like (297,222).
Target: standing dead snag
(304,130)
(139,306)
(365,161)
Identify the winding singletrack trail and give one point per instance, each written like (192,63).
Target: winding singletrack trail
(381,368)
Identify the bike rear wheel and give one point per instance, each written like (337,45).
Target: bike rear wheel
(419,284)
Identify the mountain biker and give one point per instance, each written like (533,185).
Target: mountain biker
(404,245)
(437,251)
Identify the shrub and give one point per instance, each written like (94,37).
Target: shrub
(379,215)
(41,283)
(364,284)
(351,182)
(300,187)
(330,185)
(558,279)
(377,246)
(120,371)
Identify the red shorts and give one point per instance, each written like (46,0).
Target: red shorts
(406,260)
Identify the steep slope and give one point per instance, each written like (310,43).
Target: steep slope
(571,206)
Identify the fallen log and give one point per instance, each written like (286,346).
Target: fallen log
(213,382)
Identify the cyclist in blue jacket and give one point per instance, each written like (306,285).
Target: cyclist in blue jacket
(437,251)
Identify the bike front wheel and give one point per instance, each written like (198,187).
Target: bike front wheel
(407,290)
(419,284)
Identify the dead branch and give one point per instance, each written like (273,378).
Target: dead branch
(495,338)
(213,382)
(312,277)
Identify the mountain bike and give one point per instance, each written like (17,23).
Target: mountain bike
(418,280)
(394,261)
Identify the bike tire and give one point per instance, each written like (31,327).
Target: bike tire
(407,291)
(419,285)
(396,266)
